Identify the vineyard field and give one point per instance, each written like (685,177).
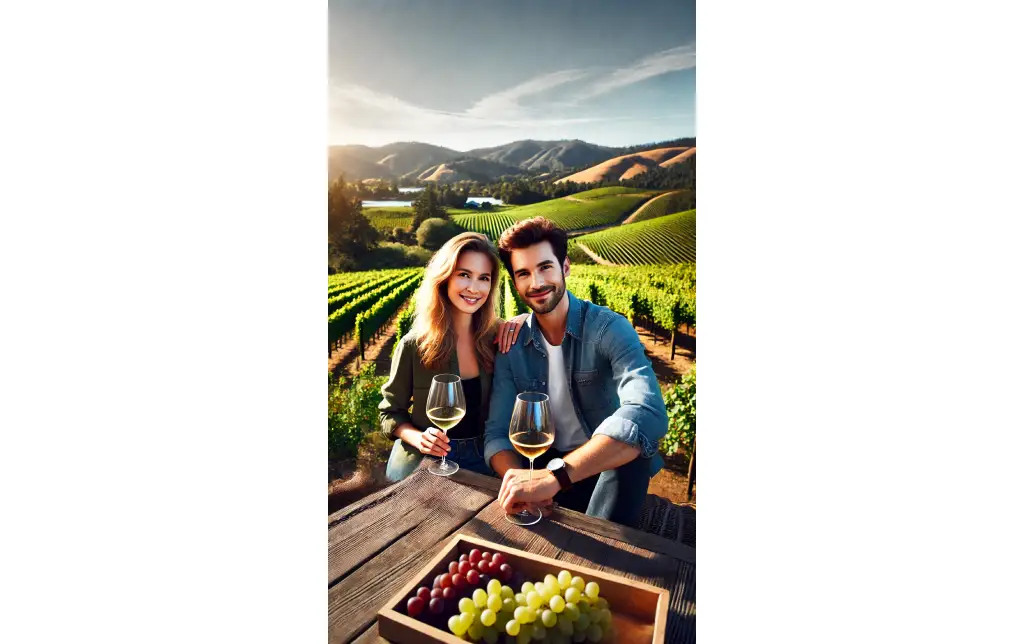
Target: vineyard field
(665,240)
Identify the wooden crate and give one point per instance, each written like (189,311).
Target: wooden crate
(639,610)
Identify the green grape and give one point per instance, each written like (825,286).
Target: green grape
(527,630)
(521,599)
(582,623)
(549,618)
(539,632)
(579,636)
(531,616)
(527,587)
(508,605)
(475,631)
(466,605)
(494,587)
(490,635)
(480,597)
(604,616)
(572,595)
(494,603)
(572,612)
(467,620)
(578,583)
(507,592)
(520,615)
(545,593)
(533,600)
(565,625)
(550,579)
(512,627)
(488,617)
(557,603)
(455,625)
(524,636)
(592,590)
(601,603)
(595,633)
(564,578)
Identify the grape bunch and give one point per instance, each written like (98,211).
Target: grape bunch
(481,605)
(471,574)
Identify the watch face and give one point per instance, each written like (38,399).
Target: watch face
(555,463)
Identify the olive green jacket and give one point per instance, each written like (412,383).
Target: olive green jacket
(411,380)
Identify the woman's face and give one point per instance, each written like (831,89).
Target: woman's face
(469,285)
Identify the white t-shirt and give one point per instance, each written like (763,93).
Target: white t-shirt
(568,433)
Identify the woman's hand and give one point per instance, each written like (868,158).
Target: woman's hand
(433,442)
(508,332)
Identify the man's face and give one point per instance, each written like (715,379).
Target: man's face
(538,276)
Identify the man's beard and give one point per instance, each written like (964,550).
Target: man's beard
(557,293)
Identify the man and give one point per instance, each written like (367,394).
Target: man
(605,401)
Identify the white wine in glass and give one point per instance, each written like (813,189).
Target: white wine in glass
(532,433)
(446,405)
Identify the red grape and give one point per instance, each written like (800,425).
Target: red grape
(473,577)
(459,581)
(505,572)
(448,593)
(465,567)
(453,567)
(446,580)
(484,579)
(463,558)
(437,581)
(436,606)
(486,556)
(484,567)
(474,555)
(423,593)
(415,606)
(437,592)
(498,559)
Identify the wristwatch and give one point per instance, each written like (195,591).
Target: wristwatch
(558,467)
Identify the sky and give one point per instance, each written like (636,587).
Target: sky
(466,74)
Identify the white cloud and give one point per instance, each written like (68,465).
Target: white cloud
(663,62)
(506,102)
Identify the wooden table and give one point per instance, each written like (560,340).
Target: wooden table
(374,545)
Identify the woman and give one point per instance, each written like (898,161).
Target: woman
(455,331)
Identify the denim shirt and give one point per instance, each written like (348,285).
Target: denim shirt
(614,389)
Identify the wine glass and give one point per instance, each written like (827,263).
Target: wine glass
(446,405)
(532,433)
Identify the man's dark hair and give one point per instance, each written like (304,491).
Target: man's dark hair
(528,232)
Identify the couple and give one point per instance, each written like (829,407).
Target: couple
(604,398)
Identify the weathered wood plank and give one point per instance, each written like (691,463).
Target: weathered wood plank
(353,602)
(682,614)
(625,534)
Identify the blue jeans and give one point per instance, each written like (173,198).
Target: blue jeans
(616,495)
(467,452)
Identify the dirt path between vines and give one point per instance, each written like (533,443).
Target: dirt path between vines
(641,209)
(594,256)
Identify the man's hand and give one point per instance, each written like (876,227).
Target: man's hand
(518,492)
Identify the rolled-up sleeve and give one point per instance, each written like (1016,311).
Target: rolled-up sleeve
(503,396)
(397,391)
(641,419)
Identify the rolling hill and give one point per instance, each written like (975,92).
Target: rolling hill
(471,169)
(630,165)
(545,156)
(390,161)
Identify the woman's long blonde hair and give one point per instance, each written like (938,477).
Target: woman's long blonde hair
(434,320)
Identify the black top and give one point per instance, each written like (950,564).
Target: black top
(472,424)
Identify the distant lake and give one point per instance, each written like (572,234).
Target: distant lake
(402,204)
(385,204)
